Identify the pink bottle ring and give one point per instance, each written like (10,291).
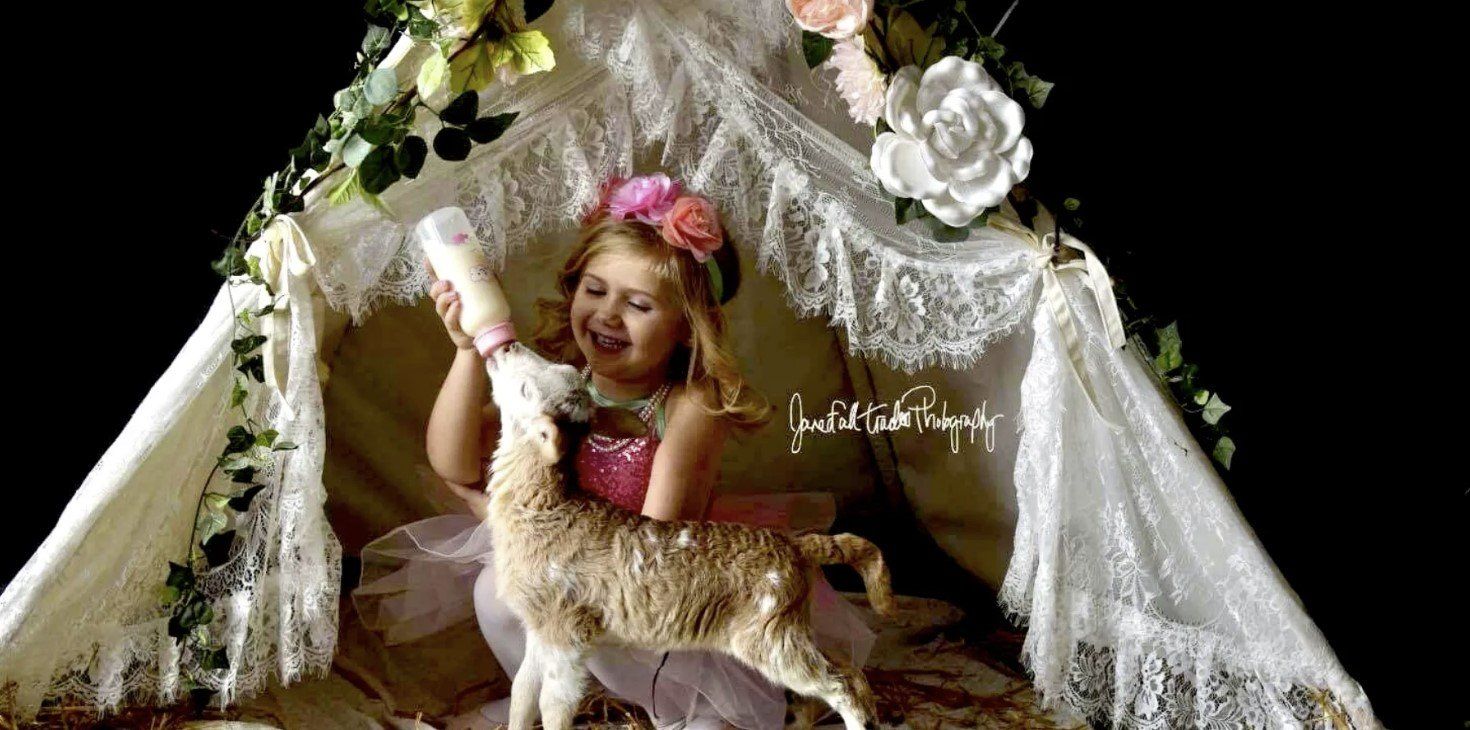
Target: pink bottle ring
(490,339)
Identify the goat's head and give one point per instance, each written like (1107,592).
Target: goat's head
(526,386)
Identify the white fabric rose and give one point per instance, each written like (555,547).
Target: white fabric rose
(956,143)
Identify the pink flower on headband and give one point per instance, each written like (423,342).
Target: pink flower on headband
(646,197)
(692,223)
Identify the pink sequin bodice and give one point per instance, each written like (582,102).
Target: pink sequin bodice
(618,469)
(619,476)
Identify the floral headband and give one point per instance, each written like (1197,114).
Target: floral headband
(684,221)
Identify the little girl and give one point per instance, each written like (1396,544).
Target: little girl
(639,310)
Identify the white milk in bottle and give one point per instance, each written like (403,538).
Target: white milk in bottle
(452,248)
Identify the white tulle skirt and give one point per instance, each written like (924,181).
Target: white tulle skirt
(428,575)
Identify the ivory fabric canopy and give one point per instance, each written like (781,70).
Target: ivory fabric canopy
(1148,601)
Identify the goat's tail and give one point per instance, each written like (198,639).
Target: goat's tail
(862,555)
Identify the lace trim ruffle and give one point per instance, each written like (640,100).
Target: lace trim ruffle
(801,199)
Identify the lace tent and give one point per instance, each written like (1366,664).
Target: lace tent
(1147,599)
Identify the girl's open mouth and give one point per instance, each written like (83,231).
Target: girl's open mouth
(609,345)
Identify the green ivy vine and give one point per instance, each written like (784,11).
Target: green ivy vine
(366,144)
(1162,349)
(1203,408)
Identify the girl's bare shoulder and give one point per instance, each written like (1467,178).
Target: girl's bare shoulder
(679,397)
(677,393)
(682,407)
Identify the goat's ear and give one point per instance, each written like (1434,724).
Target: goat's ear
(548,437)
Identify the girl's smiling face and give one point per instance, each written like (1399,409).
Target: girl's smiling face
(625,318)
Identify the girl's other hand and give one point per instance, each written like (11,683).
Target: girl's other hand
(446,303)
(450,497)
(476,500)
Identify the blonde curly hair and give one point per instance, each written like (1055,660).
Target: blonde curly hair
(706,364)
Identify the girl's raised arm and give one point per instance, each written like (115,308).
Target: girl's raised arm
(454,439)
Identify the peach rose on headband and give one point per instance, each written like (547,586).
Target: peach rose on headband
(832,18)
(694,224)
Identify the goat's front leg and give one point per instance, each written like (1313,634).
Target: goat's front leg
(563,683)
(565,633)
(526,687)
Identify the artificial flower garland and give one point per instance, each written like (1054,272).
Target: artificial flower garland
(948,139)
(683,220)
(948,136)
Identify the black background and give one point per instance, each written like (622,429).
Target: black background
(1199,141)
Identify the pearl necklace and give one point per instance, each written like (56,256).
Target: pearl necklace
(603,443)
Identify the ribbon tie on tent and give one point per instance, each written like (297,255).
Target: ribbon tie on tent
(1094,277)
(284,253)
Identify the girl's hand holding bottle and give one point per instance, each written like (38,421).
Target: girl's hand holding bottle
(447,304)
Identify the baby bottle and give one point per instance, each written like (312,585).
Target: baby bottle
(452,248)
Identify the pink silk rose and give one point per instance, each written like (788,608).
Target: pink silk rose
(646,197)
(694,224)
(837,19)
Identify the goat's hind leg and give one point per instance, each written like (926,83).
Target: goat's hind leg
(856,703)
(793,660)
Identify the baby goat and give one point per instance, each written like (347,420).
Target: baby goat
(581,572)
